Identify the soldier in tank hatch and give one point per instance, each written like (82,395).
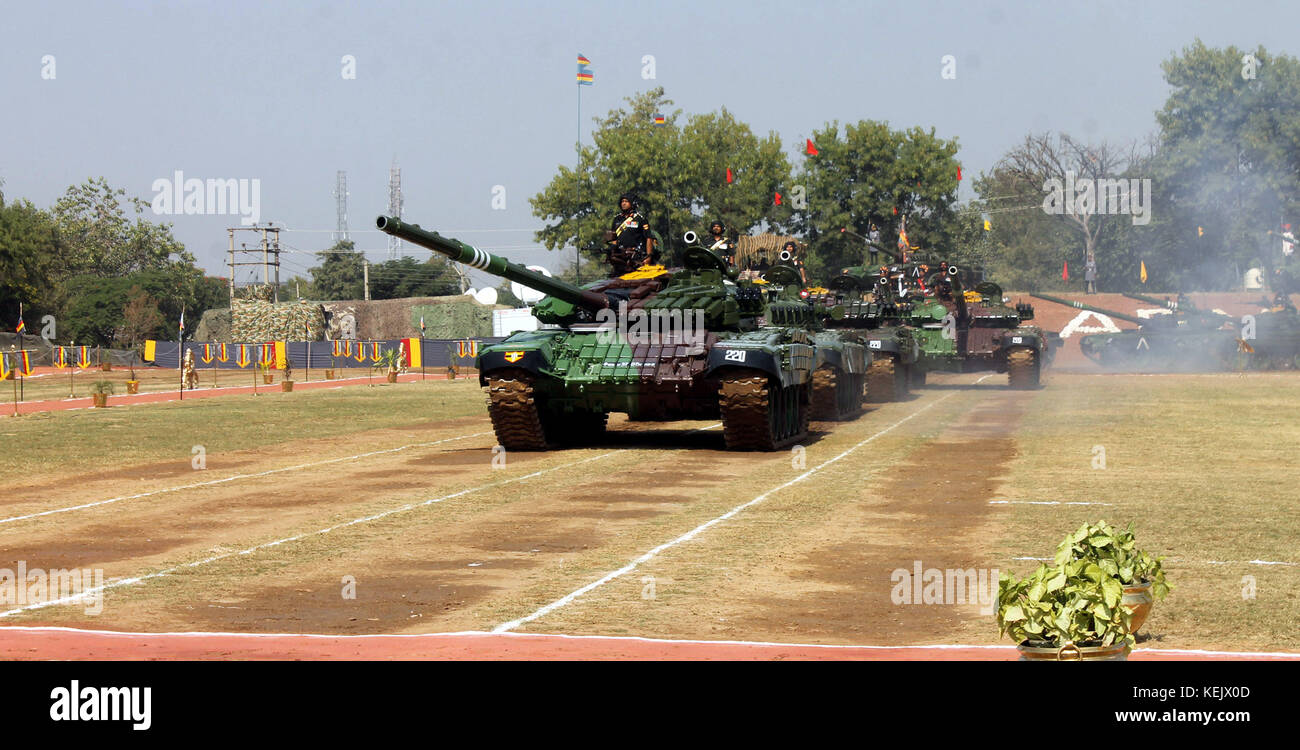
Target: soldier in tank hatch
(720,244)
(628,238)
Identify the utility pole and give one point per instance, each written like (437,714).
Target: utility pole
(270,247)
(341,205)
(365,272)
(232,268)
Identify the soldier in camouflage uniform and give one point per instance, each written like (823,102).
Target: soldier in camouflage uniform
(189,378)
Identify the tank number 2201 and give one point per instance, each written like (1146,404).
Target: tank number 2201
(734,355)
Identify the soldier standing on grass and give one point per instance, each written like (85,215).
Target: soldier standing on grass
(1090,274)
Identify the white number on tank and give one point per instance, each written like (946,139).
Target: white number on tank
(873,344)
(734,355)
(1017,340)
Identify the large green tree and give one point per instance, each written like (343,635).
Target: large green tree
(94,309)
(678,170)
(29,245)
(408,277)
(341,274)
(866,178)
(98,236)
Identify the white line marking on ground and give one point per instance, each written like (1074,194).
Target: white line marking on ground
(567,636)
(570,597)
(234,477)
(1040,502)
(73,599)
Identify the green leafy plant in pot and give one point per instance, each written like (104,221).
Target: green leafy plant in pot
(1115,551)
(100,390)
(390,360)
(1064,612)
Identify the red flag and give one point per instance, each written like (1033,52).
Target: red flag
(1065,271)
(958,173)
(778,199)
(896,210)
(812,148)
(728,175)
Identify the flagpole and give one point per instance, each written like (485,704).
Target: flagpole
(21,384)
(577,173)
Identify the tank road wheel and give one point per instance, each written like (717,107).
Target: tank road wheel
(1022,369)
(882,380)
(514,412)
(836,395)
(758,414)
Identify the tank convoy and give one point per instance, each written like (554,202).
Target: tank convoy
(658,343)
(928,321)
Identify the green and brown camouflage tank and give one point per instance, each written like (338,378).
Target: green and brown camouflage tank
(658,344)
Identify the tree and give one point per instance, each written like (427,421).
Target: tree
(1228,171)
(92,310)
(98,236)
(407,277)
(678,172)
(340,275)
(140,318)
(28,246)
(870,178)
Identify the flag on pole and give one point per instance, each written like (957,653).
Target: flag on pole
(729,177)
(585,75)
(421,326)
(182,334)
(1065,271)
(23,363)
(660,120)
(778,200)
(1143,274)
(958,173)
(811,148)
(21,325)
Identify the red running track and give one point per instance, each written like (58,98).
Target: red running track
(155,397)
(21,644)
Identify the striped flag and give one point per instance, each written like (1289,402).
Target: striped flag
(182,323)
(660,120)
(21,325)
(585,75)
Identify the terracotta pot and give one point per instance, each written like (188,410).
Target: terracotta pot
(1138,599)
(106,366)
(1049,651)
(100,399)
(268,379)
(286,385)
(329,374)
(392,377)
(132,386)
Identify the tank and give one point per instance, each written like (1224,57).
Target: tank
(852,301)
(656,344)
(926,306)
(1183,341)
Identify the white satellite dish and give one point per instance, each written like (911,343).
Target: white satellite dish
(528,294)
(471,292)
(486,296)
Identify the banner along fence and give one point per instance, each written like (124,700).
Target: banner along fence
(415,353)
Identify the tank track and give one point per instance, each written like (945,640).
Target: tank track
(515,417)
(886,381)
(1022,369)
(830,402)
(746,404)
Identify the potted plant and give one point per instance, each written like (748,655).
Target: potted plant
(267,377)
(1065,612)
(286,380)
(390,360)
(1116,552)
(100,390)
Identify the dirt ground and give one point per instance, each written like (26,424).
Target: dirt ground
(425,528)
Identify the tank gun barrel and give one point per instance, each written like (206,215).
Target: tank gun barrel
(471,256)
(1093,308)
(874,245)
(1173,305)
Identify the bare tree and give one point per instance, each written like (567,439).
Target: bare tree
(1042,159)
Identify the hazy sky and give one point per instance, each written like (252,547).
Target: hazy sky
(471,95)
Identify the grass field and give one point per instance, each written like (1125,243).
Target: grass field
(442,533)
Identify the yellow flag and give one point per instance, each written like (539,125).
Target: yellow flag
(987,226)
(1144,272)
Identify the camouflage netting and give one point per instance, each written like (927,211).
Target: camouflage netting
(748,248)
(259,320)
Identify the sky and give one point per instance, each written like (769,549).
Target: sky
(470,96)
